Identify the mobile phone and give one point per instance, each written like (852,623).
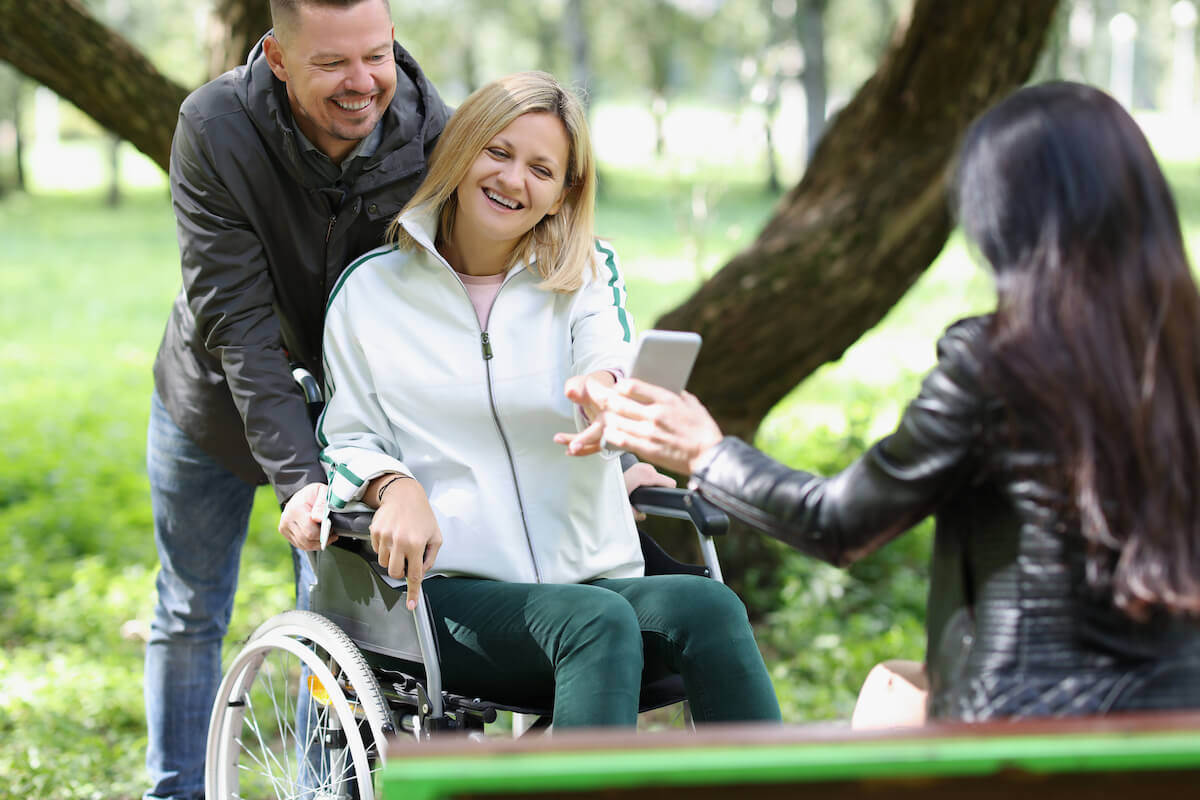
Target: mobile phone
(665,358)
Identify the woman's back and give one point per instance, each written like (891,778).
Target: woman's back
(1015,628)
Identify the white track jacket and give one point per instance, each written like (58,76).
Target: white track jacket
(413,385)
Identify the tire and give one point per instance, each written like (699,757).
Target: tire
(257,744)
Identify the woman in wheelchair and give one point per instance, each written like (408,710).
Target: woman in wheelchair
(447,353)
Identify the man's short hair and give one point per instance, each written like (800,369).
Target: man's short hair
(284,12)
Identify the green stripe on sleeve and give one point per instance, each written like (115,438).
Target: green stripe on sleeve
(610,263)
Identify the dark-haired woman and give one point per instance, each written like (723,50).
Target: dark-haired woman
(1056,442)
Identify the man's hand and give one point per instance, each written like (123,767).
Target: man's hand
(405,533)
(300,522)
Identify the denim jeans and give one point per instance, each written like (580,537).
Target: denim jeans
(201,514)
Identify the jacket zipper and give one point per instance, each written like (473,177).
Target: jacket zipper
(329,230)
(486,344)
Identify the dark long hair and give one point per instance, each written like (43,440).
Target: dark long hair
(1095,344)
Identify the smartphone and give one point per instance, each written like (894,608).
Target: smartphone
(665,358)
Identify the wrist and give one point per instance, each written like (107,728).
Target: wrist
(703,455)
(388,483)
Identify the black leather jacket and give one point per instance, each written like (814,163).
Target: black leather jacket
(1013,627)
(262,240)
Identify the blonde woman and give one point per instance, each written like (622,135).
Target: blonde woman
(447,353)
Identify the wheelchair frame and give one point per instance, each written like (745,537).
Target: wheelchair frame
(351,695)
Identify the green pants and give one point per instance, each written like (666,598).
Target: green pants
(588,647)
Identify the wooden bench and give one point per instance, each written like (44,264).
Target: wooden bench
(1138,756)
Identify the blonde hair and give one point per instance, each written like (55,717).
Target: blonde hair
(561,244)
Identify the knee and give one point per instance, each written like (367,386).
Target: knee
(609,622)
(715,605)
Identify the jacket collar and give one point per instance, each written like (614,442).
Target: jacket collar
(422,224)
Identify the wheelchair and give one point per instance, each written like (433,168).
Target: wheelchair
(306,707)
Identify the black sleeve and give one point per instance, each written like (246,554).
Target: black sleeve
(231,296)
(895,484)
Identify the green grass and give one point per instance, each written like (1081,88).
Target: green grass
(84,292)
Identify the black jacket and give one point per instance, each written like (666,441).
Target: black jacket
(1013,627)
(261,242)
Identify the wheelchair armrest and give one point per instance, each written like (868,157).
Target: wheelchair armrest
(681,504)
(352,524)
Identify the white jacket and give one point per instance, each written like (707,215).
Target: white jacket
(414,386)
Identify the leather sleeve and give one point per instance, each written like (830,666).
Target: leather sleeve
(895,484)
(230,293)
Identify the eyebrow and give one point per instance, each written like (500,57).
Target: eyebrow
(323,55)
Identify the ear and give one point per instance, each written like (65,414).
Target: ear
(273,51)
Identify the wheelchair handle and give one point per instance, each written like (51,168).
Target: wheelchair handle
(681,504)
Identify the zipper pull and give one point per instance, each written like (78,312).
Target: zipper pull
(329,230)
(487,346)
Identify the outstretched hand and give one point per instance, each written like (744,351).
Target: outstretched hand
(667,429)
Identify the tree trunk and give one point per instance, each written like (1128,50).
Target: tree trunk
(810,19)
(575,32)
(869,215)
(237,25)
(66,49)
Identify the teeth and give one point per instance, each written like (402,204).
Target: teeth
(504,201)
(354,106)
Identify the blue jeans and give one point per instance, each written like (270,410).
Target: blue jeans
(201,514)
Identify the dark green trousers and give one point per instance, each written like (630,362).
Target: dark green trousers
(588,647)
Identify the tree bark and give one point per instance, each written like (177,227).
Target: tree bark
(869,215)
(66,49)
(237,25)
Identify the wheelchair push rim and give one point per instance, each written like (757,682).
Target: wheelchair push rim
(258,745)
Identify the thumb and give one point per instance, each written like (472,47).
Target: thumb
(319,504)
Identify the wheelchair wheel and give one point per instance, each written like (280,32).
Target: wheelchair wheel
(298,715)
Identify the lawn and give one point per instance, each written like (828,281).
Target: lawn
(84,290)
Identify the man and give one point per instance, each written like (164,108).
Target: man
(282,171)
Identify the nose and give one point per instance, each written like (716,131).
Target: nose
(358,78)
(509,175)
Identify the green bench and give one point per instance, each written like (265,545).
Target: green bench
(1142,756)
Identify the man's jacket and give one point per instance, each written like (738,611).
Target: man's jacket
(262,242)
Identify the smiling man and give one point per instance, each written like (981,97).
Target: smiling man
(283,170)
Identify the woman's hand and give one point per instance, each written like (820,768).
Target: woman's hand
(659,426)
(404,531)
(642,474)
(590,440)
(300,522)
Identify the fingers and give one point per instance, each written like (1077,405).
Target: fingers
(643,392)
(588,441)
(297,522)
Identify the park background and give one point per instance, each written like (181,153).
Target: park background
(701,114)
